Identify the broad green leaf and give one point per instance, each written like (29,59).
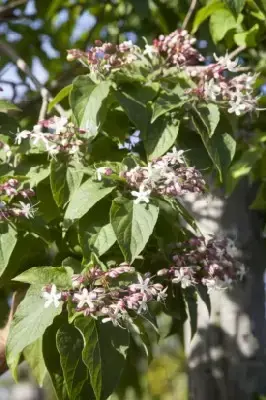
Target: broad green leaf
(34,357)
(46,206)
(248,38)
(134,100)
(88,194)
(255,11)
(60,276)
(60,96)
(117,124)
(165,103)
(210,116)
(90,226)
(58,182)
(104,354)
(242,167)
(161,135)
(101,242)
(190,297)
(90,103)
(220,147)
(221,22)
(70,346)
(235,6)
(52,358)
(6,105)
(64,179)
(29,323)
(133,224)
(206,12)
(8,240)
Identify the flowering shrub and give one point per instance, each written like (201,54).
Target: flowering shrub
(104,218)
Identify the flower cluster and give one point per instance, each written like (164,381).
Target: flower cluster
(101,294)
(212,263)
(177,49)
(62,136)
(106,56)
(235,93)
(9,190)
(167,175)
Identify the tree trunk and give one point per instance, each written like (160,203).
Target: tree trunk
(227,354)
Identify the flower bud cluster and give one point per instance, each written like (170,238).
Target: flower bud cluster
(177,48)
(235,93)
(106,56)
(101,294)
(167,175)
(212,263)
(9,190)
(62,136)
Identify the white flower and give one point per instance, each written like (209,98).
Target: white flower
(226,62)
(22,135)
(143,196)
(74,149)
(161,296)
(211,89)
(26,209)
(183,277)
(176,156)
(231,248)
(236,107)
(150,51)
(143,285)
(52,297)
(52,149)
(85,298)
(241,272)
(99,172)
(38,136)
(58,123)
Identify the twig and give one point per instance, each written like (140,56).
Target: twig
(44,106)
(189,13)
(237,51)
(7,9)
(20,63)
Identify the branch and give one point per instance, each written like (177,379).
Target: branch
(6,11)
(6,49)
(189,13)
(237,51)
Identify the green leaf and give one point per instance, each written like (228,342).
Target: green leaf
(104,354)
(52,358)
(60,96)
(90,103)
(190,297)
(134,101)
(164,103)
(65,179)
(90,226)
(101,242)
(242,167)
(206,12)
(34,357)
(29,323)
(60,276)
(88,194)
(5,106)
(220,147)
(248,38)
(210,116)
(221,22)
(70,346)
(236,6)
(133,224)
(46,206)
(8,240)
(161,135)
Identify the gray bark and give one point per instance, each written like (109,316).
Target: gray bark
(227,354)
